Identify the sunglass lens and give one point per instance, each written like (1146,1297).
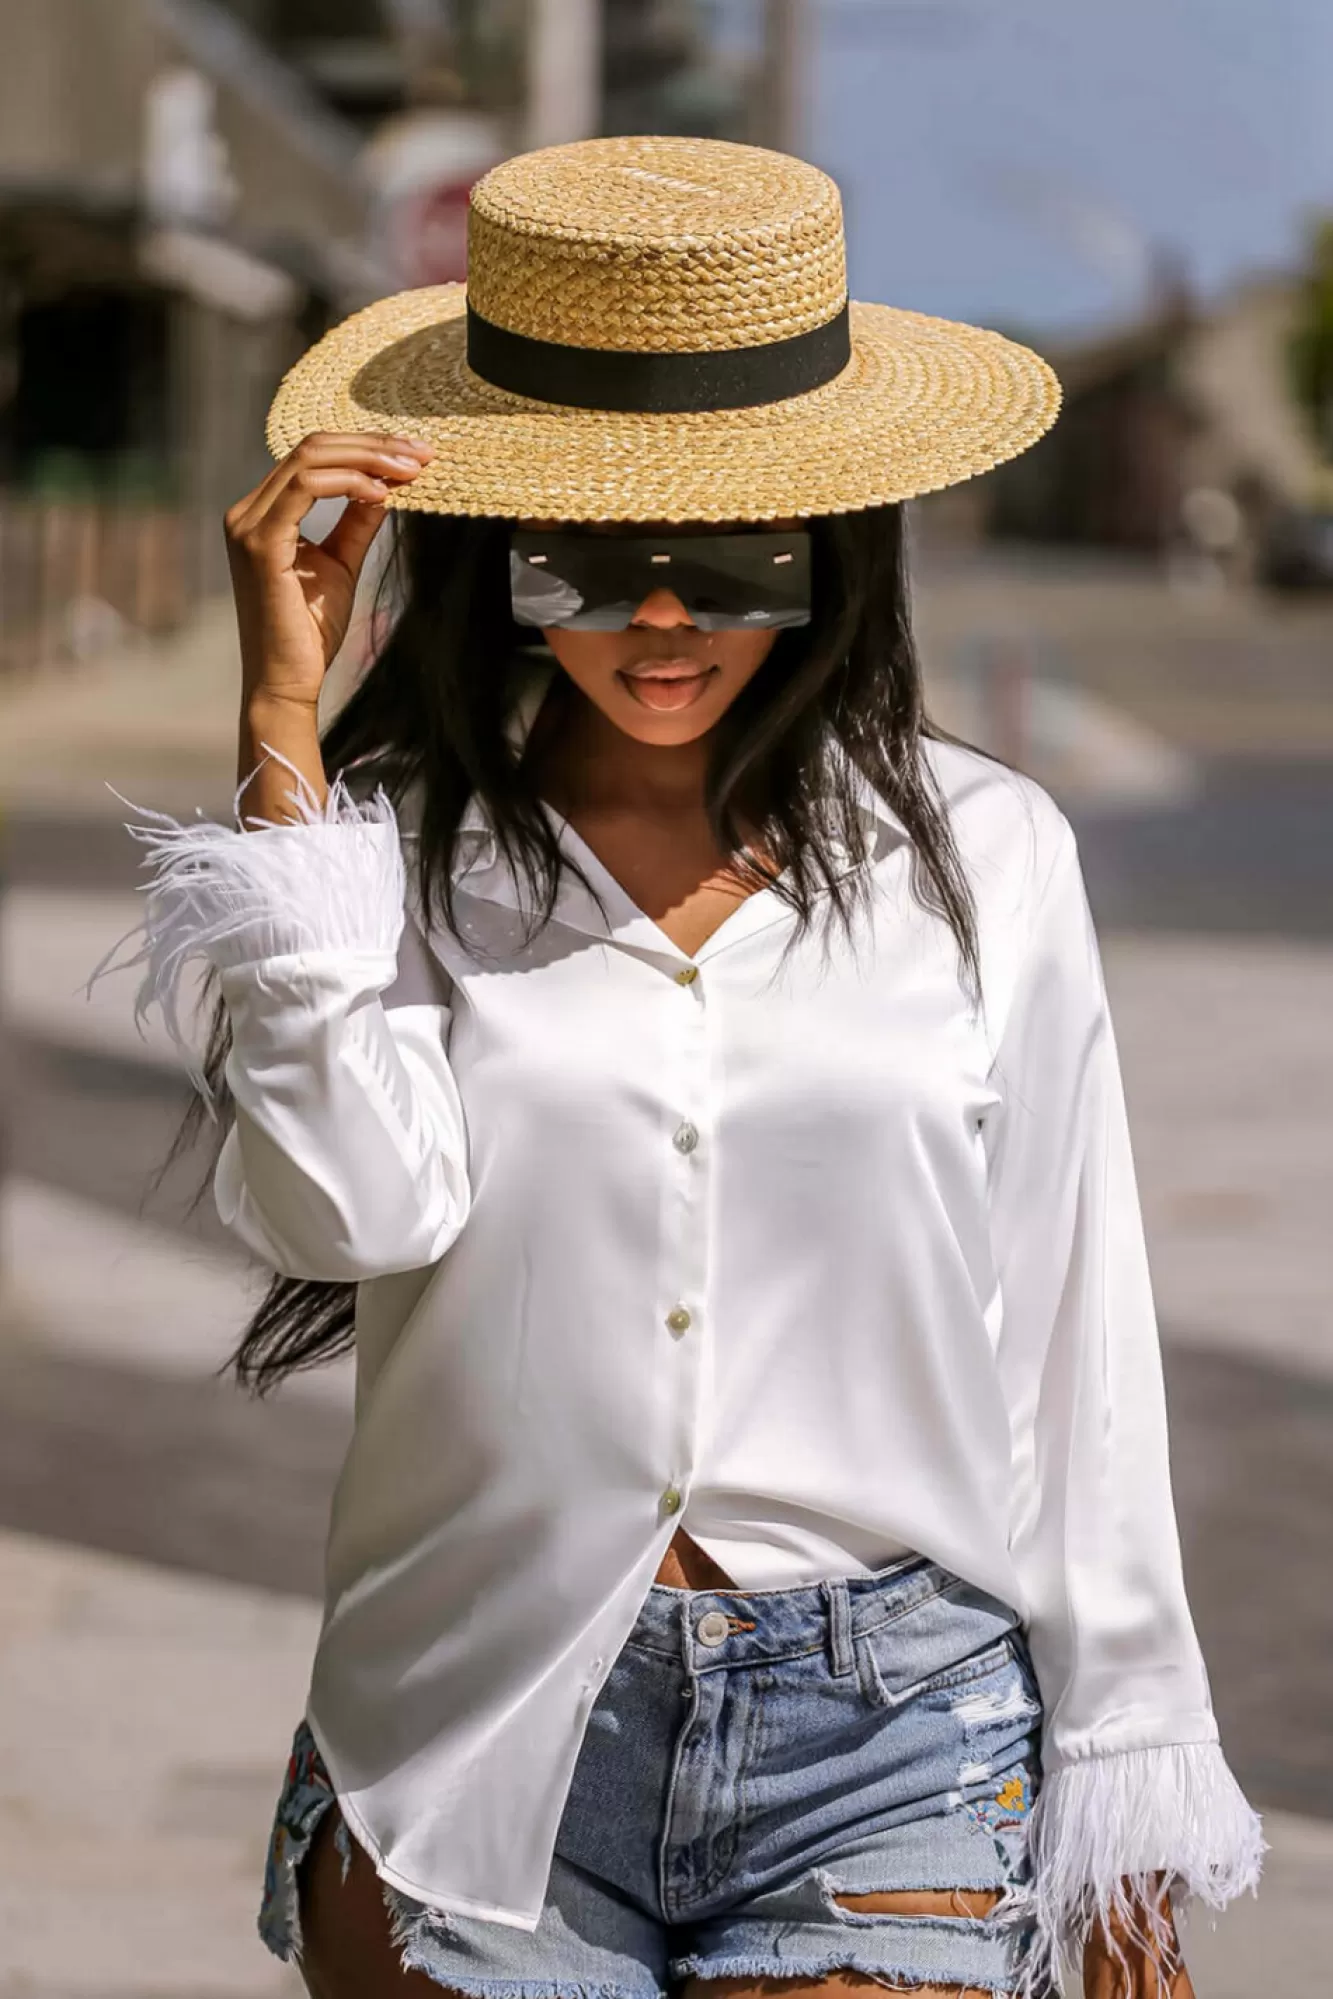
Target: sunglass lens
(754,581)
(726,582)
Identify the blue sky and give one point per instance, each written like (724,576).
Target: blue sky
(1014,161)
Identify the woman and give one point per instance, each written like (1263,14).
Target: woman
(685,1076)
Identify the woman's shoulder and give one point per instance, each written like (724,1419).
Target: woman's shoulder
(1009,830)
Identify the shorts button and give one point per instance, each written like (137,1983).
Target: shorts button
(712,1628)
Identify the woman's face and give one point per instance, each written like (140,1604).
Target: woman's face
(661,680)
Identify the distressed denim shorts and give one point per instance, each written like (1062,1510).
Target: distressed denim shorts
(753,1756)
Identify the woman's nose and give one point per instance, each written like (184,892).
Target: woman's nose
(661,609)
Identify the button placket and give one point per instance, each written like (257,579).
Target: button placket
(684,1255)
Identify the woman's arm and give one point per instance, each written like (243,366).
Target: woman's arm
(347,1156)
(1135,1783)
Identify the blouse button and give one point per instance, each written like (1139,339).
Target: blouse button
(678,1319)
(671,1499)
(685,1137)
(687,975)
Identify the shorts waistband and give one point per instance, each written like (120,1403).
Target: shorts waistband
(711,1627)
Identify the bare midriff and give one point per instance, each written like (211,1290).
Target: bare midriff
(686,1566)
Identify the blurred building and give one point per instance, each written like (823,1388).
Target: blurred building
(1188,401)
(657,66)
(192,190)
(179,216)
(372,59)
(662,73)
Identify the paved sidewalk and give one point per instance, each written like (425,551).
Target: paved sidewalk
(1278,1941)
(50,941)
(156,719)
(1220,672)
(135,1295)
(1224,1043)
(145,1720)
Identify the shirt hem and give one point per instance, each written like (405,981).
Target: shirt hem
(445,1905)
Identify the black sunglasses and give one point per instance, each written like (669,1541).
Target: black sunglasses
(596,582)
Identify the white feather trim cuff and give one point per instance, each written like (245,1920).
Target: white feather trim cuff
(1105,1827)
(330,880)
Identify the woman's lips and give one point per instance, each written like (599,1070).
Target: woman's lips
(668,687)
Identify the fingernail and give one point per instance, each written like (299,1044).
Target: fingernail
(408,464)
(426,450)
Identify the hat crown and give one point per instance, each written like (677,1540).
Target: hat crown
(656,245)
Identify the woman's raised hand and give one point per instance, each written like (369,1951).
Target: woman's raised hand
(294,597)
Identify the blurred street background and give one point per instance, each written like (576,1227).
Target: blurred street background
(1139,612)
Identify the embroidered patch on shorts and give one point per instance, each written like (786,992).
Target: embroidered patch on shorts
(1009,1806)
(305,1766)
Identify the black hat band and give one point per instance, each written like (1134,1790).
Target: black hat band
(609,378)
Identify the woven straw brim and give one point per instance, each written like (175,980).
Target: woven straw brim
(924,403)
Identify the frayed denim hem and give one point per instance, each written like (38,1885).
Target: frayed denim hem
(423,1941)
(756,1965)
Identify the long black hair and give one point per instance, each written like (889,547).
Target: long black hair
(430,711)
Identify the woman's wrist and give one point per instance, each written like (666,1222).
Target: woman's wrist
(1104,1972)
(289,726)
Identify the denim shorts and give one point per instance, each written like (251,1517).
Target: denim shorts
(752,1756)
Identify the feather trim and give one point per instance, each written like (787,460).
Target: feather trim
(332,879)
(1102,1832)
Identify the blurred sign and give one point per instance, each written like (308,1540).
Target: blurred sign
(189,192)
(429,239)
(187,175)
(422,166)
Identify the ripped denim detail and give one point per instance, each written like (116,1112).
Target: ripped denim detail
(306,1795)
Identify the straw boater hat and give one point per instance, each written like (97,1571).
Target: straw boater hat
(658,329)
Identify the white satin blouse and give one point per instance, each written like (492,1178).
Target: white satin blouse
(807,1257)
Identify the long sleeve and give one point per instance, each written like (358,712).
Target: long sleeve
(347,1158)
(1134,1777)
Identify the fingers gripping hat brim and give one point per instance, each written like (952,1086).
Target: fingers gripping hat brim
(922,404)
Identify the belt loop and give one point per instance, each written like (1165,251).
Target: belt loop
(841,1657)
(681,1611)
